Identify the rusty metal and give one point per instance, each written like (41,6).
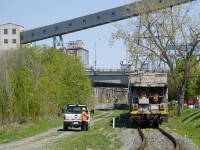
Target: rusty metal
(144,140)
(176,146)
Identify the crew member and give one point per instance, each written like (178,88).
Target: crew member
(84,118)
(155,98)
(143,94)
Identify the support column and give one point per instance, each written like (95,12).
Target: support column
(58,42)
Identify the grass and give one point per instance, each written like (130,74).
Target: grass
(96,114)
(100,136)
(14,133)
(186,125)
(17,132)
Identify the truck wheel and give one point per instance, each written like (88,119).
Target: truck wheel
(65,127)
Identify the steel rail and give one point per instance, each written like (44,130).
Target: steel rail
(176,146)
(144,140)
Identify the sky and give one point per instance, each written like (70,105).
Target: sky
(37,13)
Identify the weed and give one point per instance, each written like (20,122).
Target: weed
(187,125)
(13,133)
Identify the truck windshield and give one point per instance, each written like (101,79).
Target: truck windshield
(74,109)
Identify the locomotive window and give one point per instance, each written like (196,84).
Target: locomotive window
(32,35)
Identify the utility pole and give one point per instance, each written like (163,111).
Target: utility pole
(95,61)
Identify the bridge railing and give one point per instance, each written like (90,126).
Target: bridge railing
(119,71)
(104,71)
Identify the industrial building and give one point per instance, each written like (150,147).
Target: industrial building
(10,36)
(10,39)
(76,48)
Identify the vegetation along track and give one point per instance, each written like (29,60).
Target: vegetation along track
(150,141)
(39,141)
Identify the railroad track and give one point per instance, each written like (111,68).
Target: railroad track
(144,140)
(176,146)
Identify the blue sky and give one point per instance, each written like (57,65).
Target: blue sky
(36,13)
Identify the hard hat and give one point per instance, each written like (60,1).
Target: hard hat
(83,109)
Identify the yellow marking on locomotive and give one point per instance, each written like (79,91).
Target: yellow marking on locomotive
(163,112)
(134,112)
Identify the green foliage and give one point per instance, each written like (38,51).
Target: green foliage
(13,133)
(187,125)
(171,88)
(198,83)
(39,81)
(192,87)
(173,111)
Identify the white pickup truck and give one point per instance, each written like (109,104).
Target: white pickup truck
(73,116)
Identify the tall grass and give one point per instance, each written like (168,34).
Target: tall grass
(186,125)
(14,133)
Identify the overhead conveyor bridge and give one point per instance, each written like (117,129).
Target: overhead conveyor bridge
(89,21)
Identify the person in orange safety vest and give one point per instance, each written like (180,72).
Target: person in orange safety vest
(84,119)
(155,98)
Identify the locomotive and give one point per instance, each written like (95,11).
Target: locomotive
(148,96)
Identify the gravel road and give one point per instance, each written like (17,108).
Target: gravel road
(40,140)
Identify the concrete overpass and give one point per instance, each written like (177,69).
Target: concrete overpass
(109,78)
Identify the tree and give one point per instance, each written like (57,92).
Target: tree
(191,90)
(38,81)
(6,88)
(156,31)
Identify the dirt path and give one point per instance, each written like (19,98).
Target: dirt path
(40,140)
